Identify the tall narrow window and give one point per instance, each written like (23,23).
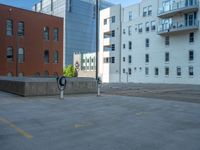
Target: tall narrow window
(191,55)
(9,54)
(113,47)
(113,19)
(129,71)
(167,57)
(21,55)
(46,33)
(156,71)
(147,58)
(105,22)
(145,11)
(46,56)
(191,37)
(147,26)
(113,33)
(55,57)
(167,71)
(130,45)
(191,71)
(130,17)
(20,29)
(55,34)
(140,28)
(147,42)
(130,30)
(150,10)
(178,71)
(153,25)
(129,59)
(167,40)
(9,27)
(146,71)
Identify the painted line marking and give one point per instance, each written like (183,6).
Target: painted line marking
(82,125)
(18,130)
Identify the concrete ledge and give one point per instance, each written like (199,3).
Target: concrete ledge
(46,86)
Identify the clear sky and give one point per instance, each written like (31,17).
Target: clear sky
(27,4)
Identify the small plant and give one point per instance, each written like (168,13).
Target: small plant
(70,71)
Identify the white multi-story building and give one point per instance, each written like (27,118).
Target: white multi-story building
(159,42)
(110,44)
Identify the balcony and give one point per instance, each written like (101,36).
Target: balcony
(107,41)
(178,7)
(177,27)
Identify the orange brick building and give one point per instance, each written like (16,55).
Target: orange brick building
(31,44)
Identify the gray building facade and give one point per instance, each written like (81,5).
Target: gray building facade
(79,23)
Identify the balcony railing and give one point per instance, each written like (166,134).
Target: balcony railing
(182,6)
(178,27)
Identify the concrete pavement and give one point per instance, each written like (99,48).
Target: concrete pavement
(87,122)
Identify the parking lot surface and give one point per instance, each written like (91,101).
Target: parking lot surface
(87,122)
(175,92)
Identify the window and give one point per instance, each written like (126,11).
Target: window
(9,54)
(112,60)
(144,11)
(124,59)
(20,29)
(130,45)
(191,37)
(20,55)
(107,48)
(153,25)
(167,71)
(124,46)
(167,41)
(147,26)
(124,71)
(167,57)
(113,19)
(147,42)
(150,10)
(156,71)
(191,71)
(105,22)
(191,55)
(130,30)
(46,56)
(129,59)
(9,27)
(178,70)
(113,47)
(124,31)
(140,28)
(147,58)
(146,71)
(55,57)
(113,33)
(46,33)
(129,71)
(130,17)
(55,34)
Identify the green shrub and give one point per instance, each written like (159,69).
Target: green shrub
(70,71)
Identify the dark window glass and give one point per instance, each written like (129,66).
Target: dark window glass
(129,59)
(46,33)
(20,29)
(167,41)
(147,58)
(46,56)
(9,27)
(178,70)
(147,42)
(130,45)
(191,55)
(191,38)
(56,57)
(191,71)
(21,55)
(167,71)
(9,54)
(167,57)
(55,34)
(156,71)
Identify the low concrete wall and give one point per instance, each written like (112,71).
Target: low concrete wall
(46,86)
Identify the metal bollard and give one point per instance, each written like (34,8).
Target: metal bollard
(61,82)
(99,84)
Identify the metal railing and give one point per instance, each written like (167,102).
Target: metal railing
(178,5)
(178,26)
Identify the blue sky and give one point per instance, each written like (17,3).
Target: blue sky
(27,4)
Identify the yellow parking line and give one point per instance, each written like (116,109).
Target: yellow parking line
(18,130)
